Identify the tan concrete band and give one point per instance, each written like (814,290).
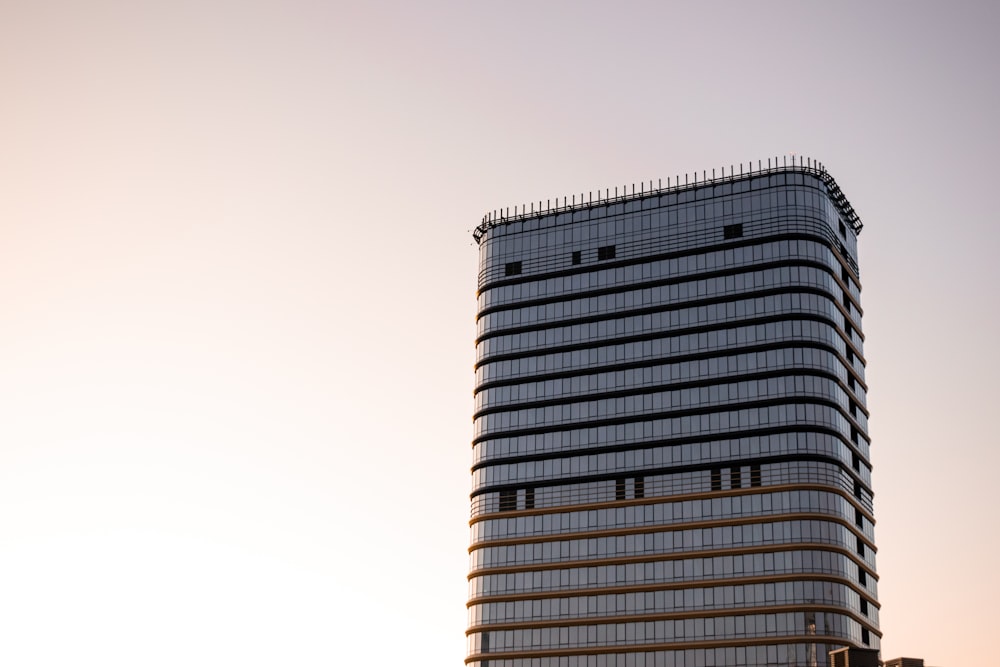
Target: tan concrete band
(666,586)
(674,616)
(655,558)
(669,646)
(669,527)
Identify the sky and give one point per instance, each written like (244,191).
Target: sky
(237,294)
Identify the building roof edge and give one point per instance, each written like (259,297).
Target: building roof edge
(798,164)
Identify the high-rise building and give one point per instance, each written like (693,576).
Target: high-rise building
(670,453)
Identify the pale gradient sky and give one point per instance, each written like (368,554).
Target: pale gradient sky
(237,294)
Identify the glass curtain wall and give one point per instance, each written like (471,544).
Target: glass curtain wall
(670,444)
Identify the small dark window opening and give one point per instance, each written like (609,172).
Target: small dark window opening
(847,326)
(854,409)
(577,256)
(861,546)
(640,487)
(508,500)
(850,381)
(847,301)
(529,498)
(512,268)
(859,518)
(732,231)
(716,479)
(862,576)
(844,275)
(850,356)
(864,606)
(841,248)
(755,475)
(856,461)
(734,478)
(485,645)
(854,435)
(843,230)
(865,637)
(606,252)
(857,489)
(620,488)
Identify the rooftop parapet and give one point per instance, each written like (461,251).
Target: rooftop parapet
(799,164)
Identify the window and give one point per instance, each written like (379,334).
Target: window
(859,518)
(640,487)
(864,606)
(861,546)
(716,479)
(847,326)
(620,488)
(577,256)
(865,637)
(508,500)
(850,381)
(844,275)
(732,231)
(606,252)
(843,229)
(512,268)
(854,435)
(862,576)
(850,356)
(734,478)
(529,498)
(755,475)
(847,301)
(857,489)
(856,461)
(854,409)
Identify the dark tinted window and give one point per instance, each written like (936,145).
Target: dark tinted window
(508,500)
(732,231)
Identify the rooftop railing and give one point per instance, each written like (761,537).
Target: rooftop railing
(798,164)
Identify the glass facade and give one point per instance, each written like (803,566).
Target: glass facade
(670,443)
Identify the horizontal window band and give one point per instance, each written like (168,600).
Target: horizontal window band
(670,646)
(672,414)
(656,500)
(672,525)
(718,380)
(820,239)
(723,353)
(785,547)
(673,616)
(652,310)
(675,280)
(675,526)
(675,359)
(668,470)
(570,452)
(666,586)
(676,333)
